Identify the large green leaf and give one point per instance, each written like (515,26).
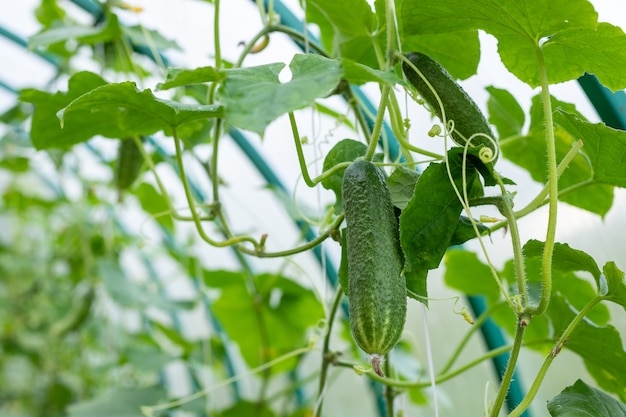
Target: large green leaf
(120,110)
(563,28)
(267,324)
(253,97)
(45,130)
(582,400)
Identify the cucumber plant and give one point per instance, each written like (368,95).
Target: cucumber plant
(396,210)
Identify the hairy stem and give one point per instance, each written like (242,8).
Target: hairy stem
(534,388)
(546,276)
(510,368)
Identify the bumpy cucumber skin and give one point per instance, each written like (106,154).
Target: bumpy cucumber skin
(376,286)
(468,119)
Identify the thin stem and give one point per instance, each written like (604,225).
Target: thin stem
(216,34)
(380,116)
(539,199)
(534,388)
(250,45)
(327,356)
(389,391)
(546,277)
(510,368)
(192,204)
(259,252)
(296,137)
(506,209)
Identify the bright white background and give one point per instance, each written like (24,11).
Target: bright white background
(189,22)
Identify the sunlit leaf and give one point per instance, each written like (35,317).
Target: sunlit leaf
(177,77)
(254,96)
(563,28)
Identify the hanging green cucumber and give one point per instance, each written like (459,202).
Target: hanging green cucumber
(128,167)
(459,107)
(376,286)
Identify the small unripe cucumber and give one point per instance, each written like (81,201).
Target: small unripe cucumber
(129,161)
(459,107)
(376,286)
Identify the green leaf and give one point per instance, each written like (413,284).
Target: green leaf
(345,34)
(615,284)
(430,219)
(560,26)
(346,150)
(529,152)
(602,144)
(458,52)
(582,400)
(85,34)
(600,347)
(505,113)
(118,402)
(564,257)
(267,324)
(155,204)
(465,231)
(120,110)
(465,273)
(357,74)
(177,77)
(253,97)
(45,128)
(401,185)
(15,164)
(140,36)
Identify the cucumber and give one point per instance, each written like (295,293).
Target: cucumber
(128,167)
(376,286)
(459,107)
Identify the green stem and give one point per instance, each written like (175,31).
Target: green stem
(216,34)
(296,137)
(510,368)
(389,391)
(327,356)
(546,277)
(441,377)
(539,200)
(380,116)
(506,209)
(260,253)
(246,51)
(192,204)
(534,388)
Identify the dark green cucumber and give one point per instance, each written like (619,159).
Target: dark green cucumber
(459,107)
(376,286)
